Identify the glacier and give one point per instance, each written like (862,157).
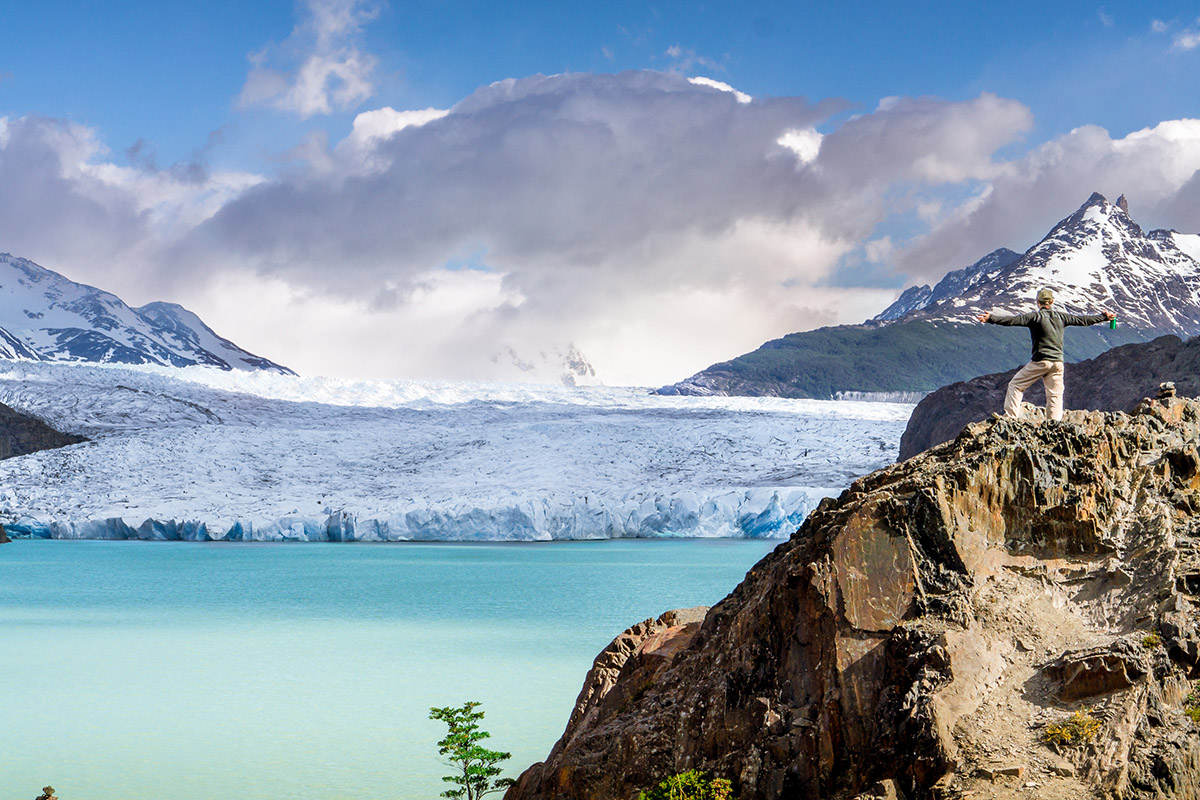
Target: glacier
(203,454)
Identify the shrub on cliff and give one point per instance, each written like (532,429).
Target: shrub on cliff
(690,785)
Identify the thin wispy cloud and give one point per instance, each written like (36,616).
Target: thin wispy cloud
(1186,40)
(321,67)
(742,97)
(687,59)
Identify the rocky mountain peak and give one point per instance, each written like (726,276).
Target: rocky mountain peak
(926,633)
(45,316)
(1095,259)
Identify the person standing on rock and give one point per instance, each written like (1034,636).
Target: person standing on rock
(1046,326)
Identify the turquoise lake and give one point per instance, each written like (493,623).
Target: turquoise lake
(264,671)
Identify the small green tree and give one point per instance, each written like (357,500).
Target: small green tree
(476,764)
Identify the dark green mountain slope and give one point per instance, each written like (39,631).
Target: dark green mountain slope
(911,356)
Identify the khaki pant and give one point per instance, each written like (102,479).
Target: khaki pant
(1051,375)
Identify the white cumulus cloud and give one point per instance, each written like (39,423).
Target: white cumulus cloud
(804,142)
(1157,169)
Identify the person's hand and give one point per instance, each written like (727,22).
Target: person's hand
(1109,315)
(984,316)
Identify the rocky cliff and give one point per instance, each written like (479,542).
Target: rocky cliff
(931,632)
(1114,381)
(21,434)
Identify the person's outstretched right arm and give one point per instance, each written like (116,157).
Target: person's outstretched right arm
(1004,319)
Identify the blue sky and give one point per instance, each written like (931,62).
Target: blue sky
(174,151)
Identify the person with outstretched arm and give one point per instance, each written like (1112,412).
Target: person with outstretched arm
(1046,326)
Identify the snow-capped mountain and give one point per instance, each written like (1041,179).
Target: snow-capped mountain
(46,317)
(1097,258)
(566,365)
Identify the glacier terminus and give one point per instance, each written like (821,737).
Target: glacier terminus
(207,454)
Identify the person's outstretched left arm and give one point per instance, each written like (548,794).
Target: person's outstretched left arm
(1087,319)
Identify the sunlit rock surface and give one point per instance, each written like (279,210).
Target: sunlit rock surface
(920,634)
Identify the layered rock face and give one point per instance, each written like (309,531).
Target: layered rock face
(919,636)
(1114,381)
(21,434)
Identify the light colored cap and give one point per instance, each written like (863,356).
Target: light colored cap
(1045,296)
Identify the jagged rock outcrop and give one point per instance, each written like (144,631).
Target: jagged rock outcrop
(1113,381)
(920,634)
(21,434)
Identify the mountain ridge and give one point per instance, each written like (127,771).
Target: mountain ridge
(45,316)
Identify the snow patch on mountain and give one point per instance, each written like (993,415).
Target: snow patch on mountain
(1187,242)
(189,454)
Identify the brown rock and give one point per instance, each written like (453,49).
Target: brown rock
(877,644)
(1116,380)
(1097,670)
(991,773)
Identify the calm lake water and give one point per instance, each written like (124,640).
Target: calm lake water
(256,671)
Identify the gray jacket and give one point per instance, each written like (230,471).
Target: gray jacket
(1046,326)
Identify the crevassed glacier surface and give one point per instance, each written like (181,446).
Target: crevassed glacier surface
(205,454)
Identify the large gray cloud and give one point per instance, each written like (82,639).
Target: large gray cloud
(560,173)
(661,223)
(50,205)
(598,179)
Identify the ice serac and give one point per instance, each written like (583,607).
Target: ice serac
(46,317)
(919,636)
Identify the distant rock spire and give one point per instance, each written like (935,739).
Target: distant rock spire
(1123,204)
